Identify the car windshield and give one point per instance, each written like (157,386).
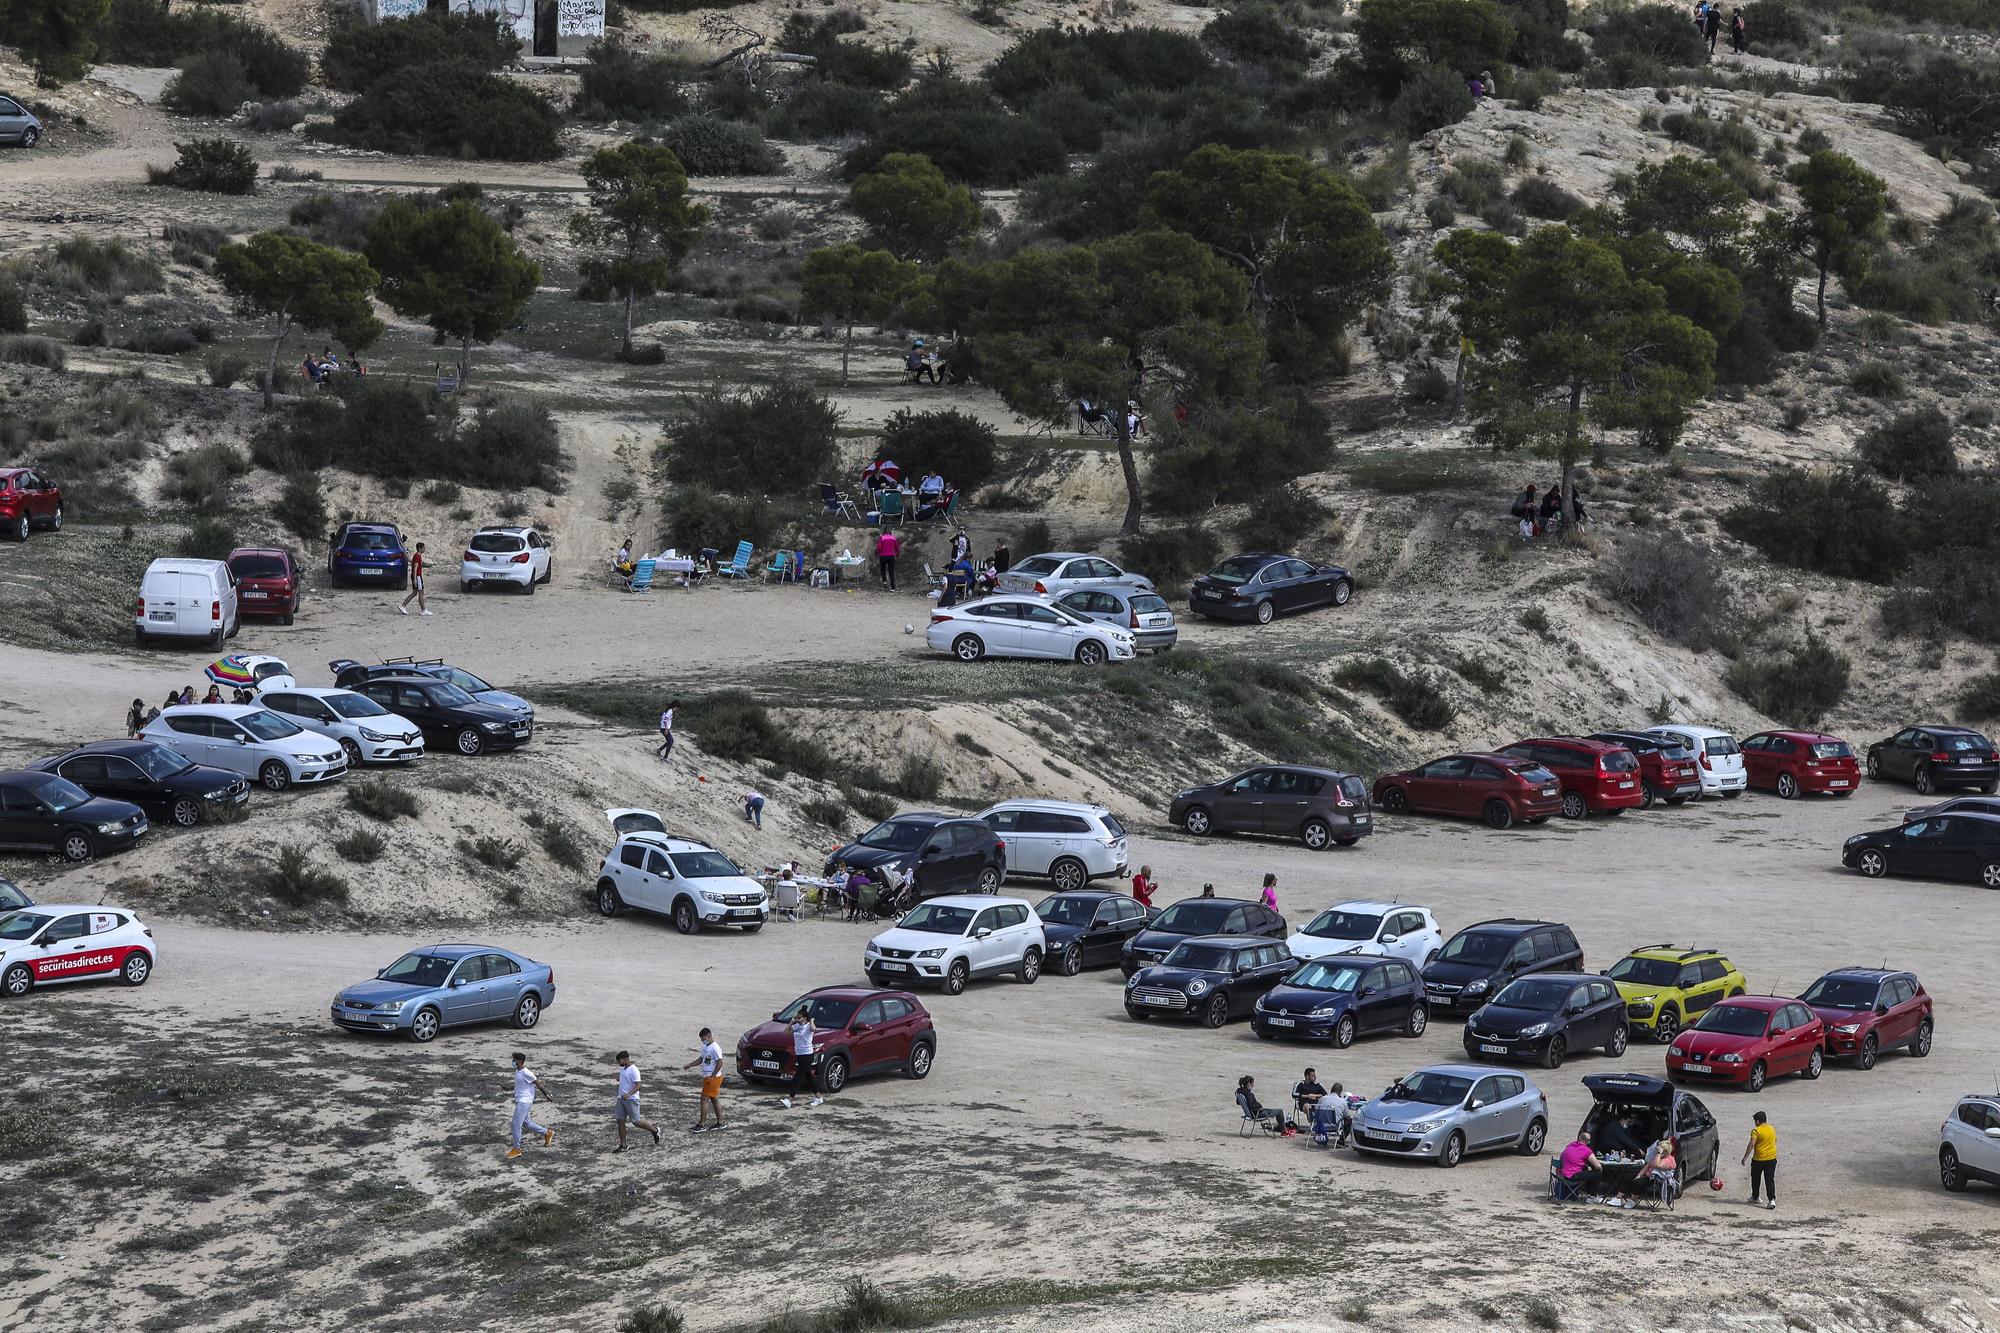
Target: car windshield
(1326,976)
(350,705)
(896,836)
(1334,924)
(464,679)
(1431,1088)
(704,865)
(1840,993)
(824,1012)
(1111,825)
(498,541)
(1972,742)
(1059,909)
(20,925)
(258,567)
(158,761)
(1202,958)
(1645,971)
(60,794)
(1734,1020)
(266,726)
(1236,571)
(938,919)
(1534,993)
(1197,917)
(444,694)
(1476,946)
(1038,565)
(1720,745)
(370,541)
(419,969)
(1832,750)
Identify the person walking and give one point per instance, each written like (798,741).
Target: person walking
(526,1085)
(887,547)
(1143,886)
(802,1061)
(753,807)
(416,585)
(135,718)
(1761,1153)
(1270,895)
(1712,27)
(709,1057)
(627,1110)
(1739,35)
(666,746)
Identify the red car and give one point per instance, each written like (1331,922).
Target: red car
(1750,1039)
(1666,768)
(1792,762)
(1868,1010)
(856,1030)
(1596,778)
(1497,789)
(267,582)
(28,500)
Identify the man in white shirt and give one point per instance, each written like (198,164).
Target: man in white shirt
(802,1059)
(666,748)
(709,1057)
(526,1085)
(627,1109)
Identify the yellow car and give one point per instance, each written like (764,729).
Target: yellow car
(1666,987)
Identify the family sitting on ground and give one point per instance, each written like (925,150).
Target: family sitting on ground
(1539,517)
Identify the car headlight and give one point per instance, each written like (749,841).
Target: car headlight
(393,1007)
(1644,1004)
(1534,1029)
(1848,1029)
(1197,987)
(1678,1050)
(930,953)
(218,794)
(309,758)
(1131,981)
(1422,1126)
(1476,988)
(1732,1059)
(493,726)
(112,827)
(1324,1011)
(711,897)
(1859,837)
(375,736)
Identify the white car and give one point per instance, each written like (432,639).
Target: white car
(693,884)
(266,672)
(249,739)
(1018,626)
(1717,757)
(516,556)
(53,943)
(948,941)
(1071,842)
(1969,1142)
(1396,930)
(370,733)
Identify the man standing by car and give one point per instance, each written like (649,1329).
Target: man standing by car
(1762,1156)
(526,1085)
(709,1057)
(802,1060)
(628,1101)
(416,585)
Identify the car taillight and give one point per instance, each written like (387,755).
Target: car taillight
(939,617)
(1940,759)
(1703,759)
(552,976)
(520,559)
(215,610)
(1040,589)
(471,557)
(141,608)
(1133,623)
(1000,844)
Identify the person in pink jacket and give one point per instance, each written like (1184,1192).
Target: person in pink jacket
(887,547)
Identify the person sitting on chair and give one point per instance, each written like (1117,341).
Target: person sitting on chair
(1246,1098)
(1088,414)
(623,561)
(1135,420)
(921,366)
(985,579)
(1580,1166)
(1333,1120)
(1661,1172)
(1621,1136)
(859,885)
(1306,1095)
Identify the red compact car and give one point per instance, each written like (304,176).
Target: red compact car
(856,1030)
(1596,778)
(28,500)
(1750,1039)
(267,582)
(1792,762)
(1492,787)
(1666,768)
(1869,1010)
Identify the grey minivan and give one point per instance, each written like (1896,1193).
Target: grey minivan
(18,124)
(1146,614)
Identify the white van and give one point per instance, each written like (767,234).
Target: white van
(186,599)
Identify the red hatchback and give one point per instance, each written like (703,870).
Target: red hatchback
(856,1030)
(28,500)
(267,582)
(1792,762)
(1595,777)
(1492,787)
(1750,1039)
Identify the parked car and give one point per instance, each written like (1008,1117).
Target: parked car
(1546,1016)
(348,674)
(161,781)
(12,895)
(40,812)
(1665,986)
(1749,1039)
(268,581)
(1442,1112)
(856,1031)
(952,940)
(1262,585)
(1070,842)
(947,853)
(690,882)
(1146,614)
(18,124)
(1957,805)
(447,715)
(1969,1142)
(28,500)
(368,553)
(251,740)
(1087,928)
(1338,999)
(265,671)
(1501,790)
(1054,573)
(1657,1108)
(58,943)
(1318,806)
(1394,930)
(1940,847)
(1869,1010)
(1015,626)
(520,557)
(370,733)
(1210,977)
(1717,757)
(1932,757)
(1481,959)
(186,599)
(1796,763)
(447,986)
(1667,770)
(1198,916)
(1595,778)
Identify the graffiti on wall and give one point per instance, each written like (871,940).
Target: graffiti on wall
(579,18)
(398,9)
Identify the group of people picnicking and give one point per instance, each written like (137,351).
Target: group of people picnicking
(1538,517)
(322,368)
(1327,1112)
(138,715)
(933,493)
(963,576)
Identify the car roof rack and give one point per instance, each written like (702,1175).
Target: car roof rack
(411,661)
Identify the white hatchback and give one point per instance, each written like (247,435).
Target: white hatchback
(53,943)
(1717,757)
(519,557)
(251,740)
(1396,930)
(948,941)
(1018,626)
(691,883)
(370,733)
(1072,842)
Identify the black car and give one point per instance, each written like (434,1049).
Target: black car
(1338,999)
(1546,1016)
(1933,757)
(1087,929)
(1262,584)
(1656,1108)
(1478,961)
(1211,977)
(13,896)
(1318,806)
(40,812)
(949,853)
(1957,846)
(158,780)
(448,715)
(348,673)
(1198,916)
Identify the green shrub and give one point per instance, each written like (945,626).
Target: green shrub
(1256,34)
(1914,445)
(1284,519)
(1979,701)
(361,846)
(1415,699)
(560,842)
(1831,523)
(1661,34)
(296,881)
(963,128)
(28,350)
(1529,89)
(711,146)
(148,33)
(1672,585)
(1951,593)
(731,724)
(201,477)
(825,810)
(493,853)
(225,368)
(920,777)
(693,518)
(1102,62)
(621,84)
(13,309)
(855,64)
(1770,22)
(818,112)
(442,493)
(1235,452)
(394,431)
(1798,688)
(377,799)
(358,52)
(511,443)
(340,220)
(301,508)
(738,442)
(956,445)
(1430,100)
(272,117)
(1877,379)
(453,109)
(1540,197)
(651,1319)
(870,805)
(1473,185)
(156,340)
(210,83)
(1171,557)
(214,166)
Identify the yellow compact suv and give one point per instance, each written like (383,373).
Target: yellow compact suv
(1666,987)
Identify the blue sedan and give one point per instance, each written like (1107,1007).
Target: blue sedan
(447,985)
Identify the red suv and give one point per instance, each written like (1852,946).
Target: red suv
(1666,768)
(1497,789)
(1791,762)
(267,582)
(1596,778)
(28,500)
(1868,1010)
(856,1030)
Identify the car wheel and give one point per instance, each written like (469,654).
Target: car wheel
(529,586)
(1667,1026)
(1537,1135)
(1263,1035)
(215,639)
(30,138)
(1874,764)
(1872,863)
(1647,795)
(1068,874)
(1871,1049)
(1395,800)
(1198,822)
(1090,653)
(1343,1032)
(1921,1047)
(1316,835)
(1454,1150)
(1620,1035)
(1552,1057)
(1950,1174)
(1264,612)
(968,648)
(1788,787)
(1816,1065)
(956,976)
(1736,992)
(17,981)
(1031,967)
(21,529)
(138,637)
(919,1063)
(529,1011)
(1574,806)
(1072,960)
(76,846)
(1419,1019)
(607,898)
(274,775)
(55,520)
(753,927)
(1342,591)
(1136,1015)
(464,588)
(989,880)
(1989,874)
(353,752)
(1759,1073)
(549,574)
(138,966)
(833,1074)
(425,1025)
(1216,1012)
(1923,780)
(686,920)
(1499,814)
(470,741)
(187,812)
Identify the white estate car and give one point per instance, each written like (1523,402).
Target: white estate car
(1396,930)
(1717,757)
(249,739)
(516,556)
(948,941)
(53,943)
(1072,842)
(692,883)
(370,733)
(1969,1142)
(1020,626)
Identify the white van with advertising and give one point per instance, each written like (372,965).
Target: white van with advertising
(186,599)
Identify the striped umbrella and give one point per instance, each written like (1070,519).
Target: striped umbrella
(232,669)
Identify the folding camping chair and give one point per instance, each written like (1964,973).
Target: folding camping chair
(642,577)
(889,504)
(781,565)
(739,566)
(836,503)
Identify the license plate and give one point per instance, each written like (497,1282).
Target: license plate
(254,593)
(368,571)
(1697,1069)
(1548,791)
(1152,999)
(765,1064)
(159,615)
(1969,761)
(1280,1022)
(1209,596)
(1838,782)
(893,967)
(1361,819)
(1377,1135)
(743,914)
(1488,1048)
(1624,786)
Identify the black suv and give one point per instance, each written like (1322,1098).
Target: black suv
(1211,977)
(1198,916)
(1546,1016)
(949,853)
(149,775)
(40,812)
(1317,806)
(1478,961)
(1086,928)
(448,715)
(1933,757)
(1657,1108)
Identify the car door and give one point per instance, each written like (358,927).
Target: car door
(414,703)
(1516,1107)
(985,945)
(13,120)
(1485,1113)
(1784,1054)
(1034,843)
(1044,633)
(1106,935)
(870,1038)
(465,998)
(1960,848)
(657,882)
(1400,990)
(1428,786)
(1918,848)
(1759,761)
(21,821)
(126,781)
(1287,800)
(503,983)
(65,951)
(1917,746)
(1694,1128)
(998,625)
(1372,1001)
(1899,1025)
(627,871)
(1608,1008)
(87,772)
(1239,808)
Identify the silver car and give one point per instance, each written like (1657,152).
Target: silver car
(1146,614)
(18,124)
(1443,1112)
(1055,573)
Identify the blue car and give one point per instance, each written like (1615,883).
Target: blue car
(368,553)
(1337,999)
(448,985)
(349,674)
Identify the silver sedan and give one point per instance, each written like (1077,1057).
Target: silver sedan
(1055,573)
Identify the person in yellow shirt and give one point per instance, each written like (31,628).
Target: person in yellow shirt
(1762,1156)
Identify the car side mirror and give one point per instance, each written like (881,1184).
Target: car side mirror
(381,972)
(1389,939)
(1881,1008)
(777,1018)
(981,933)
(242,740)
(860,1028)
(1370,990)
(1993,1132)
(1474,1104)
(456,982)
(1572,1010)
(931,851)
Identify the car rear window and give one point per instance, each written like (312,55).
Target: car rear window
(1193,918)
(1353,788)
(1532,771)
(1040,564)
(1235,571)
(1721,745)
(1645,971)
(1111,825)
(1972,742)
(1147,604)
(258,567)
(370,541)
(1832,750)
(498,541)
(1620,761)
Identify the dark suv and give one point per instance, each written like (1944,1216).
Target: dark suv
(1198,916)
(1213,978)
(1338,999)
(949,853)
(1478,961)
(1868,1010)
(1666,768)
(367,553)
(856,1030)
(1317,806)
(1545,1016)
(448,715)
(1933,757)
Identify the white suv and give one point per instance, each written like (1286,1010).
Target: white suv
(251,740)
(694,884)
(519,556)
(1071,842)
(948,941)
(365,729)
(1395,930)
(1969,1142)
(1717,757)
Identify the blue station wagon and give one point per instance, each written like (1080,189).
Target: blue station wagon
(448,985)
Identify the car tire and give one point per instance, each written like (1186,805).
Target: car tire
(989,880)
(968,648)
(1198,822)
(1265,612)
(528,1011)
(1395,800)
(686,920)
(1343,591)
(1760,1074)
(919,1064)
(1736,993)
(549,574)
(1499,815)
(424,1027)
(1216,1012)
(1454,1150)
(1315,835)
(139,639)
(274,775)
(956,976)
(1988,787)
(1534,1138)
(1872,862)
(753,927)
(1136,1015)
(21,529)
(1950,1174)
(1815,1066)
(529,586)
(1648,795)
(1923,781)
(56,520)
(1621,1036)
(1068,874)
(353,752)
(1262,1034)
(1574,806)
(1989,874)
(469,741)
(464,588)
(1553,1053)
(1030,968)
(1344,1032)
(216,638)
(832,1076)
(1419,1019)
(29,138)
(1430,958)
(1667,1026)
(1788,787)
(186,811)
(17,981)
(286,618)
(1090,653)
(1921,1047)
(608,901)
(75,846)
(1870,1052)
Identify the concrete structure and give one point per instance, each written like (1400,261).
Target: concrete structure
(546,27)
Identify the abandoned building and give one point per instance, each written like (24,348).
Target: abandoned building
(547,28)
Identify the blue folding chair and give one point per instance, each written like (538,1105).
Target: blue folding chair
(642,576)
(739,567)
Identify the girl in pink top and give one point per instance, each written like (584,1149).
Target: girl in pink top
(1271,892)
(887,547)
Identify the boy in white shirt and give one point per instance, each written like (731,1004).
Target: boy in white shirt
(627,1109)
(526,1085)
(709,1057)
